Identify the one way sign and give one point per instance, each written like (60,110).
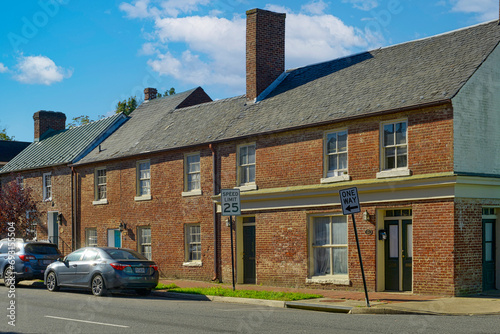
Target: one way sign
(350,201)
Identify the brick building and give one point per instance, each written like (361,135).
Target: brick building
(412,126)
(43,166)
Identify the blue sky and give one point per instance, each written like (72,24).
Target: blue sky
(82,57)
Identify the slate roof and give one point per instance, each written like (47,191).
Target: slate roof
(9,149)
(416,73)
(64,146)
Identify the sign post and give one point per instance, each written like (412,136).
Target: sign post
(350,205)
(231,205)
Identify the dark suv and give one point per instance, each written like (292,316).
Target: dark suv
(30,259)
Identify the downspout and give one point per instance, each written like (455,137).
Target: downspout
(214,186)
(73,210)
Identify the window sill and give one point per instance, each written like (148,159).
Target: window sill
(192,264)
(142,198)
(337,280)
(332,179)
(393,173)
(247,187)
(191,193)
(100,202)
(48,199)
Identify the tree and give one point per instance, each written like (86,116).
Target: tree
(126,106)
(18,210)
(4,136)
(168,92)
(81,120)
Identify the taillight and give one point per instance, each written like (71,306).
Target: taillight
(26,258)
(118,266)
(154,266)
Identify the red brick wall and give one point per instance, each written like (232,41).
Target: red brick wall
(167,212)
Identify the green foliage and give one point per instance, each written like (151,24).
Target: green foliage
(162,286)
(80,120)
(126,106)
(4,136)
(218,291)
(168,92)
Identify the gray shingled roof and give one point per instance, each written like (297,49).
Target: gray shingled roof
(64,146)
(405,75)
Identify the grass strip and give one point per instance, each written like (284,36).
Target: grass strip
(225,292)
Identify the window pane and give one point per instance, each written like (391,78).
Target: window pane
(390,160)
(321,231)
(340,260)
(339,231)
(251,173)
(251,154)
(488,232)
(342,141)
(332,162)
(409,240)
(343,161)
(321,261)
(402,161)
(388,134)
(243,155)
(401,133)
(393,241)
(332,143)
(488,252)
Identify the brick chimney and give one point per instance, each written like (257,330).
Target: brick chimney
(45,120)
(150,94)
(265,50)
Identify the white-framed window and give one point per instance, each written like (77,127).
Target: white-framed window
(394,145)
(143,180)
(328,245)
(144,241)
(246,165)
(192,174)
(335,157)
(47,186)
(193,242)
(91,237)
(100,186)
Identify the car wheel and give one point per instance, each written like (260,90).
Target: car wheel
(143,292)
(52,282)
(98,287)
(9,278)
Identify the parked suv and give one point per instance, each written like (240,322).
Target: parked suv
(31,258)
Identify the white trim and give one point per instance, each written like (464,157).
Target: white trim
(44,193)
(326,156)
(196,192)
(335,279)
(239,184)
(247,187)
(142,198)
(96,184)
(393,173)
(332,179)
(381,145)
(100,202)
(192,264)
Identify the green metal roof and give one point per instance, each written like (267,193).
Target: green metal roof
(66,146)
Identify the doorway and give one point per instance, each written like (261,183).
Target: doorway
(53,227)
(114,238)
(245,244)
(398,250)
(489,268)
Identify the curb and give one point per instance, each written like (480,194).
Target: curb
(237,300)
(318,307)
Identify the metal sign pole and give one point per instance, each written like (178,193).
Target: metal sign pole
(232,248)
(360,260)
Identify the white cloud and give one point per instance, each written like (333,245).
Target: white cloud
(138,10)
(39,70)
(3,68)
(206,50)
(315,7)
(485,10)
(141,8)
(365,5)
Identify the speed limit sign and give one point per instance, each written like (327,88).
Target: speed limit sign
(230,200)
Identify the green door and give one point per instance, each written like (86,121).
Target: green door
(392,255)
(407,254)
(399,255)
(249,254)
(488,254)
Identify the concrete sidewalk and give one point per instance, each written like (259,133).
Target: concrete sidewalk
(353,302)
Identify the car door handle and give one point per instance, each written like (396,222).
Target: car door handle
(73,265)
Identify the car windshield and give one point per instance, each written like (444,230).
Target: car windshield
(124,254)
(47,249)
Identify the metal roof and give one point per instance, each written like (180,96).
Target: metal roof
(62,147)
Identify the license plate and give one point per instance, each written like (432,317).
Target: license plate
(140,270)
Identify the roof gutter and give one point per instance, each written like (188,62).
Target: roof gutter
(215,220)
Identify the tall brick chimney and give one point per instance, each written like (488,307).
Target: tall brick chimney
(150,93)
(45,120)
(265,50)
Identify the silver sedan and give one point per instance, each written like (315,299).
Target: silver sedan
(103,268)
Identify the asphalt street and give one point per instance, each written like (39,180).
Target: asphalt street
(70,311)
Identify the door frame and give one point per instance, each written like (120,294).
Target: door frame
(114,236)
(493,214)
(381,246)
